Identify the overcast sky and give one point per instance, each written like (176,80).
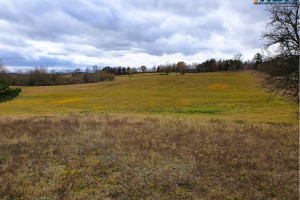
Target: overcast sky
(78,33)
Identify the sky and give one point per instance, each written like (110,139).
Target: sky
(70,34)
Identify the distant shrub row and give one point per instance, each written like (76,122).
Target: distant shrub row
(40,77)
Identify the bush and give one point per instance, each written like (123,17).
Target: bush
(6,93)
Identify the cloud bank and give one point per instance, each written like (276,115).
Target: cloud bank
(79,33)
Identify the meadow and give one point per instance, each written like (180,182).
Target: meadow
(103,156)
(193,136)
(232,96)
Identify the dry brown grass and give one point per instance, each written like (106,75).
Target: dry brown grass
(141,157)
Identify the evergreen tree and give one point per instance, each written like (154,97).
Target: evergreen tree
(6,93)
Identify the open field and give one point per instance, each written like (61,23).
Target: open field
(232,96)
(121,156)
(197,136)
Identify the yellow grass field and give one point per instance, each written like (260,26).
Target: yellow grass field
(197,136)
(228,96)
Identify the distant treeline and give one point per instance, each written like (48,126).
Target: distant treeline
(41,77)
(210,65)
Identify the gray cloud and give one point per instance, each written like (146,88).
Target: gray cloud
(95,31)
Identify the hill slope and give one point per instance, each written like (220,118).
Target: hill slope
(235,96)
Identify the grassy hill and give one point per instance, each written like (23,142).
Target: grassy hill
(233,96)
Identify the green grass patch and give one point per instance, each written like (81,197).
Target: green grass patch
(199,111)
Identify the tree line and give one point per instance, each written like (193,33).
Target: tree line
(210,65)
(40,76)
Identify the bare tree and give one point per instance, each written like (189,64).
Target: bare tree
(168,69)
(95,68)
(154,69)
(237,56)
(283,28)
(3,69)
(282,67)
(78,70)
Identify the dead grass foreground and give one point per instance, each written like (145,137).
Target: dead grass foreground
(141,157)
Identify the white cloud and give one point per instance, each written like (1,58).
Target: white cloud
(64,34)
